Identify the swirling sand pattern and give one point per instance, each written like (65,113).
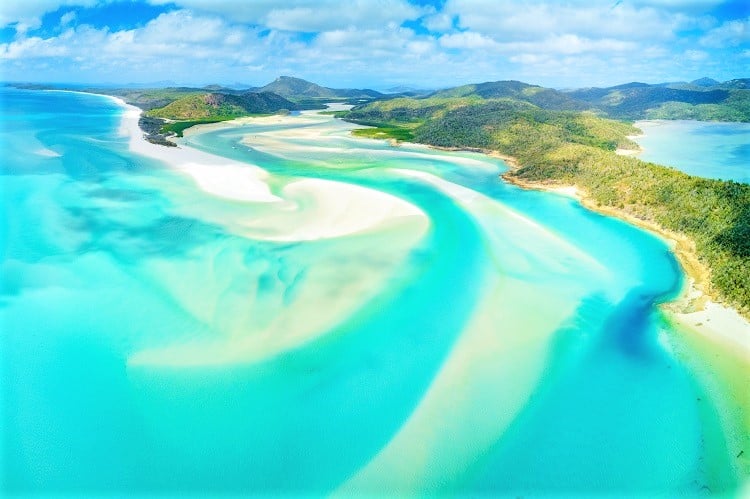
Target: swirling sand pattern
(279,308)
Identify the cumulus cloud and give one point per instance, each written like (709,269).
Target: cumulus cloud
(27,14)
(590,19)
(308,15)
(67,18)
(438,22)
(543,41)
(730,33)
(696,55)
(170,41)
(468,40)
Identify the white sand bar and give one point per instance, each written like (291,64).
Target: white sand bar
(306,209)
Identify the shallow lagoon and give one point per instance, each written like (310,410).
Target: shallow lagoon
(152,344)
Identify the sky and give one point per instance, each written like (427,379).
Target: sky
(374,43)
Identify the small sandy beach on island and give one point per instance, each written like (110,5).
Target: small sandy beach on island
(305,209)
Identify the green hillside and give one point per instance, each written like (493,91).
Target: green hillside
(297,88)
(577,148)
(215,105)
(149,98)
(702,99)
(543,97)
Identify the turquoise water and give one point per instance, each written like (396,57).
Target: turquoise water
(702,148)
(150,345)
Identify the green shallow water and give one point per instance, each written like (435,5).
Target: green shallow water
(151,345)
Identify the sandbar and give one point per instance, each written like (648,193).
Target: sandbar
(307,209)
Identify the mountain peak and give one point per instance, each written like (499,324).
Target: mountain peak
(291,87)
(705,82)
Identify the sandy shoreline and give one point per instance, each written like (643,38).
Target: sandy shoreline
(359,210)
(697,306)
(303,210)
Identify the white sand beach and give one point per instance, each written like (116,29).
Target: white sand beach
(305,209)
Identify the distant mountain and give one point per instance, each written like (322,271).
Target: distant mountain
(705,82)
(702,99)
(632,84)
(741,83)
(287,86)
(151,84)
(222,105)
(546,98)
(297,88)
(407,90)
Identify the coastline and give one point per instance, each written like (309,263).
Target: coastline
(305,209)
(633,151)
(712,337)
(697,306)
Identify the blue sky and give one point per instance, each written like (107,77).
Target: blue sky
(374,43)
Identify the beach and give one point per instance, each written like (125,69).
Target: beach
(341,209)
(381,319)
(696,306)
(306,209)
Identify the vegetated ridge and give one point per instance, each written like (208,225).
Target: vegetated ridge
(295,88)
(215,105)
(578,148)
(703,99)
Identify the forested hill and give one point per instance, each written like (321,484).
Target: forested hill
(296,88)
(305,94)
(218,105)
(543,97)
(702,99)
(577,148)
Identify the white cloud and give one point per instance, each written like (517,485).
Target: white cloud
(361,14)
(172,40)
(67,18)
(679,4)
(695,55)
(438,22)
(511,21)
(308,15)
(549,45)
(468,40)
(540,41)
(28,13)
(729,34)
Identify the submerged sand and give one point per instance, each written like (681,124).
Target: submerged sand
(334,209)
(303,209)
